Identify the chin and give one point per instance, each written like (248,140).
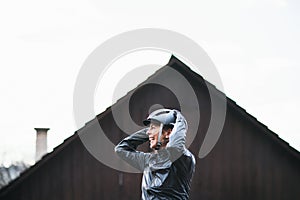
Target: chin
(152,146)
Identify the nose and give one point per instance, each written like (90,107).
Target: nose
(148,132)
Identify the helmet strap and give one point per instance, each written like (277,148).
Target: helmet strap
(159,137)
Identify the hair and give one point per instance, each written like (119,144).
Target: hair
(168,126)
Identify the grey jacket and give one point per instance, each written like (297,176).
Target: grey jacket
(167,174)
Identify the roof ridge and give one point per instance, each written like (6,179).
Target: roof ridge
(172,63)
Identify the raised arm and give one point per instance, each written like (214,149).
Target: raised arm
(126,149)
(176,144)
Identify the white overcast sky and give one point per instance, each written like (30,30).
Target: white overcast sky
(254,44)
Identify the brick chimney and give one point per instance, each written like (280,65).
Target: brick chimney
(41,143)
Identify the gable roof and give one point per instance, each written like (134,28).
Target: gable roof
(182,68)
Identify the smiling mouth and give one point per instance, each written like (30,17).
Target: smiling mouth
(151,141)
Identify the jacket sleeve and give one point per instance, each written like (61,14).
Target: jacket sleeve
(126,149)
(176,144)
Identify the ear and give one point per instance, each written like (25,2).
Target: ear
(168,133)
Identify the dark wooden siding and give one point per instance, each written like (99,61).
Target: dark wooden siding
(248,161)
